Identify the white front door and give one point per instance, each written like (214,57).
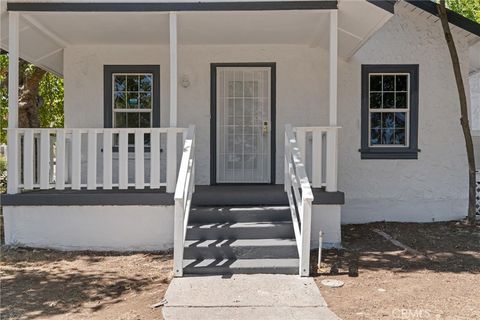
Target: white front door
(243,124)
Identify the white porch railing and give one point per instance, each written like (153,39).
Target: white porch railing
(94,158)
(183,199)
(323,154)
(300,198)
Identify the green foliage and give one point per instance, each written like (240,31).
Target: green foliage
(3,174)
(50,91)
(3,97)
(467,8)
(51,111)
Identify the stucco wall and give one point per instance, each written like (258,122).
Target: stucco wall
(118,228)
(434,187)
(326,218)
(475,114)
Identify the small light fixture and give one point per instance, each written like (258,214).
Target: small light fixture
(185,81)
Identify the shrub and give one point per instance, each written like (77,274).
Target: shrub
(3,174)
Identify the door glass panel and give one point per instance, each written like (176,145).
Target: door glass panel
(243,125)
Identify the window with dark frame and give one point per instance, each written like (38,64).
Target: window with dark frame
(389,112)
(131,98)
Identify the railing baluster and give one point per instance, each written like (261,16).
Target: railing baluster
(92,159)
(76,159)
(44,159)
(60,160)
(139,160)
(317,158)
(171,160)
(107,159)
(301,143)
(123,160)
(28,160)
(331,165)
(155,159)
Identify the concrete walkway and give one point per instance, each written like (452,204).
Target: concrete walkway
(260,296)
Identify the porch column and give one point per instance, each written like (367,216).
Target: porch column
(332,148)
(173,69)
(13,60)
(172,136)
(333,67)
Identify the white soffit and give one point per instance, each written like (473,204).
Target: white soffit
(358,21)
(260,27)
(43,35)
(36,45)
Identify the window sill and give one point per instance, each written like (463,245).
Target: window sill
(389,154)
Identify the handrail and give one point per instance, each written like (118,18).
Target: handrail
(183,199)
(300,198)
(322,140)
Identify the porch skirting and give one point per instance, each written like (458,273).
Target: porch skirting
(139,220)
(98,228)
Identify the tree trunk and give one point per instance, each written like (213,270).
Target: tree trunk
(29,101)
(442,13)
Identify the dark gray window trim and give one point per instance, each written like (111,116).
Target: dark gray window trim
(410,152)
(171,6)
(108,70)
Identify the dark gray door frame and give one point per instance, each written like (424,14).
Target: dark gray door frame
(213,114)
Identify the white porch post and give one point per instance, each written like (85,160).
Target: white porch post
(13,59)
(172,136)
(333,67)
(173,69)
(332,148)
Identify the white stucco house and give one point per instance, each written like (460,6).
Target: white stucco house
(235,131)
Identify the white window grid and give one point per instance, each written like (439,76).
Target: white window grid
(132,110)
(389,110)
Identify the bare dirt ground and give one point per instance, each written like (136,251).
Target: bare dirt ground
(44,284)
(443,282)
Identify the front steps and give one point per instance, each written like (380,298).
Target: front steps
(227,240)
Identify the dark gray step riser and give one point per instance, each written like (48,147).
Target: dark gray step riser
(283,231)
(204,216)
(226,270)
(260,252)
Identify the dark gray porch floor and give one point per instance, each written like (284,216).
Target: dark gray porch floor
(219,195)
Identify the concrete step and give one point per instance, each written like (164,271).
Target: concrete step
(239,214)
(247,266)
(241,249)
(241,230)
